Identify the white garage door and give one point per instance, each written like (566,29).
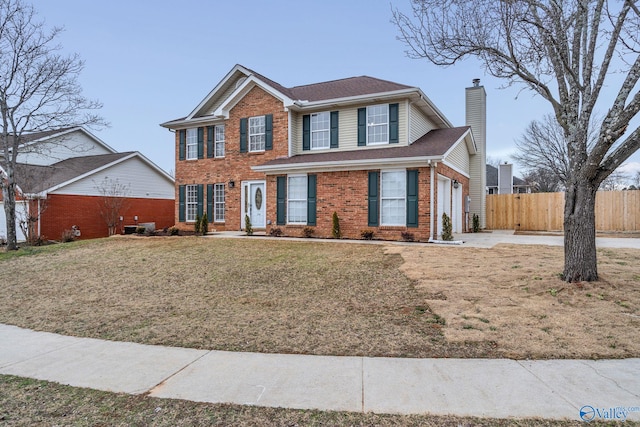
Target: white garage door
(20,208)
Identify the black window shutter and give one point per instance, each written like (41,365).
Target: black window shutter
(181,203)
(311,200)
(281,205)
(412,198)
(268,132)
(243,135)
(200,199)
(210,202)
(209,141)
(182,145)
(334,129)
(306,132)
(362,126)
(374,199)
(393,123)
(201,143)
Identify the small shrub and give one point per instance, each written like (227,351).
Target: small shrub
(407,236)
(275,232)
(446,227)
(174,231)
(204,224)
(335,229)
(367,234)
(476,223)
(247,226)
(68,236)
(141,229)
(197,226)
(308,231)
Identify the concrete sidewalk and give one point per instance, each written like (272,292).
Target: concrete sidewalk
(500,388)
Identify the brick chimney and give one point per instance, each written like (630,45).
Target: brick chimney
(476,117)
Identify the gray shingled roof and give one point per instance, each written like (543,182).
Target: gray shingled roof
(34,178)
(342,88)
(433,144)
(28,137)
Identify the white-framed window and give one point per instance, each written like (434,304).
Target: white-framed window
(192,203)
(218,133)
(218,204)
(393,202)
(320,130)
(378,124)
(192,143)
(297,199)
(257,133)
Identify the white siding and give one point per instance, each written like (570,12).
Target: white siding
(459,157)
(75,144)
(21,210)
(142,181)
(216,102)
(419,123)
(348,131)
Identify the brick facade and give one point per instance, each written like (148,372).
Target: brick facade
(235,166)
(62,211)
(344,192)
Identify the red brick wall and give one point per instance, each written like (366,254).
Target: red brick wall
(235,166)
(347,194)
(64,211)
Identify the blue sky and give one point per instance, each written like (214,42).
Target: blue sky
(153,61)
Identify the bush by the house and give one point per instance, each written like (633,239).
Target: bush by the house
(275,232)
(446,228)
(247,226)
(68,236)
(367,234)
(335,229)
(173,231)
(141,229)
(476,223)
(197,226)
(308,231)
(407,236)
(204,224)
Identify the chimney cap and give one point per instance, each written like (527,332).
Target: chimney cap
(476,82)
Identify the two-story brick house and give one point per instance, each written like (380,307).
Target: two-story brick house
(377,153)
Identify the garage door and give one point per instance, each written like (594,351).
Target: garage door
(20,208)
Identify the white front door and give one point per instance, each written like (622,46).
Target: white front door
(254,200)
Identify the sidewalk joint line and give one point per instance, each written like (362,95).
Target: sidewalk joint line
(151,389)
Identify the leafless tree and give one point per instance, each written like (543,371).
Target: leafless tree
(573,53)
(543,181)
(113,202)
(615,181)
(39,91)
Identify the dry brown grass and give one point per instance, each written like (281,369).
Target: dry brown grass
(512,294)
(326,298)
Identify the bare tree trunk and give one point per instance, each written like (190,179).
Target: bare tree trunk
(9,199)
(580,263)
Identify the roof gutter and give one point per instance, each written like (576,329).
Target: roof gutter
(331,166)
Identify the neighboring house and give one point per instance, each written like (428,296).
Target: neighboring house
(62,175)
(502,181)
(377,153)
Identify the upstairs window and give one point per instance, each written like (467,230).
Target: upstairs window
(257,133)
(378,124)
(219,141)
(320,130)
(192,144)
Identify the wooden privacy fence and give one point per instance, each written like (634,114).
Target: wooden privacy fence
(615,211)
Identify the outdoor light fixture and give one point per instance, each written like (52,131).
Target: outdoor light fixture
(232,184)
(456,184)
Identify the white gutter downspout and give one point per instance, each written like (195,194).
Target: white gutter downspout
(432,192)
(289,132)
